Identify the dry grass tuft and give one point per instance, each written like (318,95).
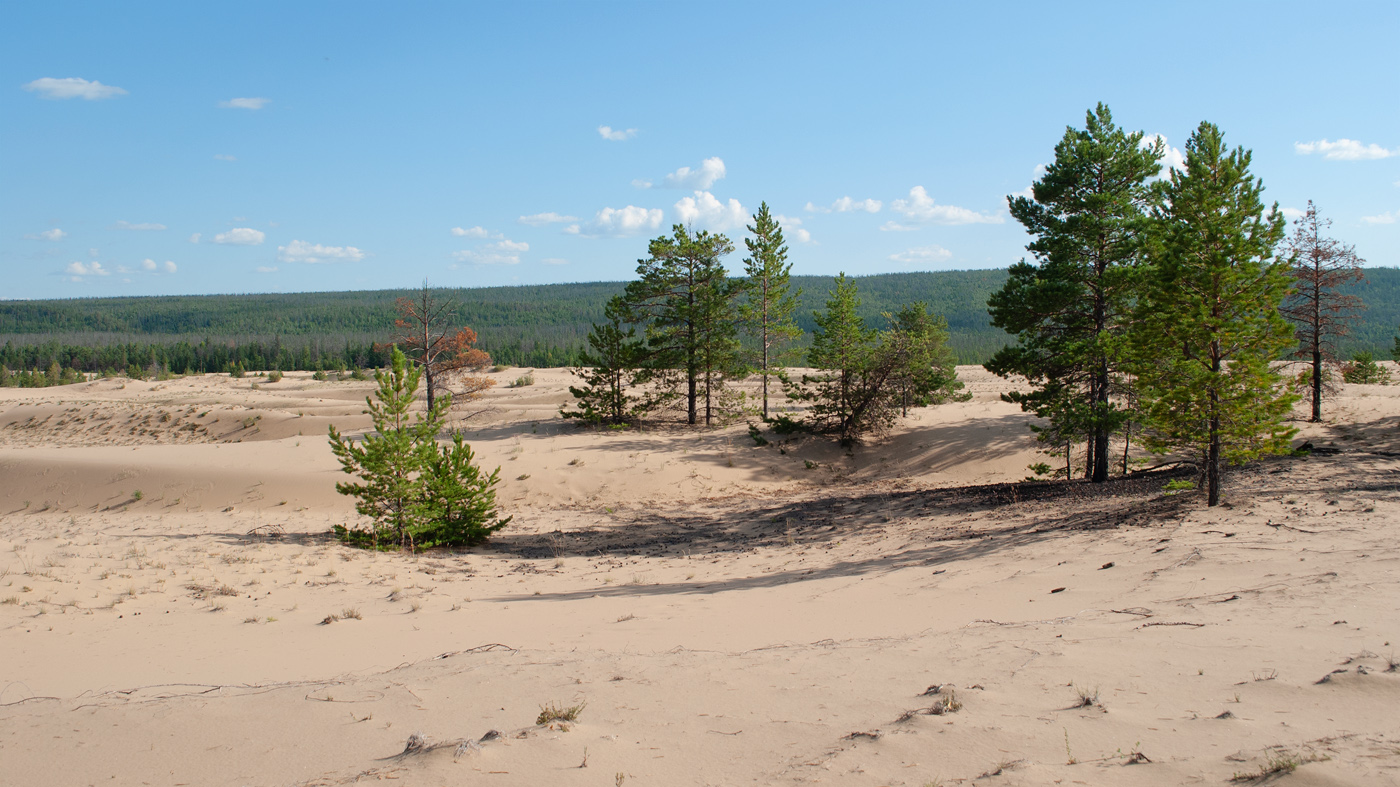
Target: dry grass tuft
(551,713)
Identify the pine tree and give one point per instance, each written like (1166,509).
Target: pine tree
(1208,321)
(770,302)
(415,493)
(1069,311)
(686,302)
(1319,311)
(924,366)
(610,369)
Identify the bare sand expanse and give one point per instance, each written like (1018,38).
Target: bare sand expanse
(726,614)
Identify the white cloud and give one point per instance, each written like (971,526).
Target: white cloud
(224,157)
(618,222)
(475,232)
(266,269)
(920,207)
(195,238)
(1344,150)
(506,244)
(1292,213)
(126,225)
(922,254)
(54,234)
(78,269)
(792,228)
(1384,218)
(894,226)
(554,261)
(72,87)
(616,135)
(642,184)
(847,205)
(710,170)
(245,103)
(301,251)
(541,219)
(153,266)
(708,212)
(1172,158)
(240,236)
(486,258)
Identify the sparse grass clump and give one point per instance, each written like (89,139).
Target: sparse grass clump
(1274,763)
(551,713)
(351,613)
(1085,697)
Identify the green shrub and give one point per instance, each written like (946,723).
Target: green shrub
(274,376)
(1363,370)
(416,493)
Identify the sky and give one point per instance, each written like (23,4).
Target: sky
(185,148)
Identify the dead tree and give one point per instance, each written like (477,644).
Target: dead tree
(1317,308)
(450,360)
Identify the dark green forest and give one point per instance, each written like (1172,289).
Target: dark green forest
(538,325)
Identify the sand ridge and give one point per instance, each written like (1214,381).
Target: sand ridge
(727,614)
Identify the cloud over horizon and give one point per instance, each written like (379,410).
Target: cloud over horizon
(314,253)
(1344,150)
(847,205)
(54,234)
(921,208)
(707,212)
(72,87)
(143,227)
(922,254)
(616,135)
(618,222)
(241,236)
(541,219)
(245,103)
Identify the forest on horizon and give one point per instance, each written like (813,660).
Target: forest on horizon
(526,325)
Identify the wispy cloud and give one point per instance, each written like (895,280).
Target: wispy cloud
(847,205)
(241,236)
(1292,213)
(616,134)
(486,257)
(1383,218)
(78,270)
(475,232)
(710,170)
(618,222)
(541,219)
(195,237)
(922,254)
(706,211)
(245,103)
(1344,150)
(266,269)
(894,226)
(72,87)
(163,267)
(143,227)
(54,234)
(792,229)
(921,208)
(554,261)
(301,251)
(224,157)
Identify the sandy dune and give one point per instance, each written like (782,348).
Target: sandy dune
(910,613)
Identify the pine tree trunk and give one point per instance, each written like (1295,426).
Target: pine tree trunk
(1316,385)
(1213,451)
(1100,472)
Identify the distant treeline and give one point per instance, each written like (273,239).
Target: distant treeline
(534,326)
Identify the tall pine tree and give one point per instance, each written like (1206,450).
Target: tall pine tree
(768,309)
(1208,324)
(686,302)
(1069,311)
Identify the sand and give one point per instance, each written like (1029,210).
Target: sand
(912,612)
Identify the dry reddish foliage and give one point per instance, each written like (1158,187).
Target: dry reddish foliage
(451,362)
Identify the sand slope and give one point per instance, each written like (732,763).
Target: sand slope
(902,615)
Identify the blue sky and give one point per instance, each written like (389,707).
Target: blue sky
(150,148)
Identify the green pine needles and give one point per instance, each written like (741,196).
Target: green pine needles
(417,494)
